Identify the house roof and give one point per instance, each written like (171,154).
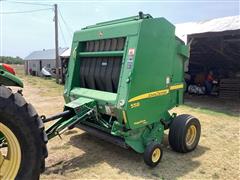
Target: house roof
(213,25)
(47,54)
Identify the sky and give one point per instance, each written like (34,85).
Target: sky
(22,33)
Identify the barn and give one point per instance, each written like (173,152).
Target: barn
(35,61)
(214,47)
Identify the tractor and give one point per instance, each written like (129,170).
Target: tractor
(123,78)
(22,136)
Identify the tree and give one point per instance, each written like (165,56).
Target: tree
(11,60)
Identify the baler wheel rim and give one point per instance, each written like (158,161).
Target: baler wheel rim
(156,155)
(10,163)
(191,135)
(153,154)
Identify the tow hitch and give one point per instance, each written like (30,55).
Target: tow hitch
(74,112)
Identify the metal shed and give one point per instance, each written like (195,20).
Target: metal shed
(64,58)
(35,61)
(215,46)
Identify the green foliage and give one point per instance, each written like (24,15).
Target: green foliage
(11,60)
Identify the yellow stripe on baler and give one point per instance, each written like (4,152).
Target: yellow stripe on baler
(150,95)
(161,92)
(124,117)
(174,87)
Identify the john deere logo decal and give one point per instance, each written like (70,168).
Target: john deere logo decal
(100,34)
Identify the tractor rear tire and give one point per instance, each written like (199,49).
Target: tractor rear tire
(153,154)
(184,133)
(24,123)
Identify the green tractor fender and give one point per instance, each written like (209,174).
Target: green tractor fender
(7,76)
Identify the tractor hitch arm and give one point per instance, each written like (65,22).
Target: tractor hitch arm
(75,112)
(56,116)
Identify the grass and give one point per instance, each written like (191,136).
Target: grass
(45,86)
(19,70)
(208,111)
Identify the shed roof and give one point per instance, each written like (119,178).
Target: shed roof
(47,54)
(213,25)
(66,53)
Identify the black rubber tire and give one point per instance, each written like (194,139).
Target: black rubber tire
(22,119)
(178,130)
(148,154)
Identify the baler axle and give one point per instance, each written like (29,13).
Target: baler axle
(103,135)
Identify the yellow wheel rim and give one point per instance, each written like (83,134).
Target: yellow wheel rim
(156,155)
(10,162)
(191,135)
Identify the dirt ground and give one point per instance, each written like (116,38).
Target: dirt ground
(80,156)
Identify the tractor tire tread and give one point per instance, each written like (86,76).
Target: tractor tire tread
(17,113)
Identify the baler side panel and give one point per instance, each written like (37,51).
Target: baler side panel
(152,66)
(177,76)
(127,67)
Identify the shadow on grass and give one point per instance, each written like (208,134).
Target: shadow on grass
(97,151)
(213,105)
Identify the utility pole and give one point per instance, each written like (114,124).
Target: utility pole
(56,41)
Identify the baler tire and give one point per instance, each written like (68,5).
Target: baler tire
(178,133)
(149,154)
(23,121)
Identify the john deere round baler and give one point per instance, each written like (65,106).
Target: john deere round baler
(123,78)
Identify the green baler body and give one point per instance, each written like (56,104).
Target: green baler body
(149,76)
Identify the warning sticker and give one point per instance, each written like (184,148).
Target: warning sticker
(131,52)
(129,65)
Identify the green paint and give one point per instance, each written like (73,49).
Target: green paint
(158,56)
(81,107)
(9,79)
(101,54)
